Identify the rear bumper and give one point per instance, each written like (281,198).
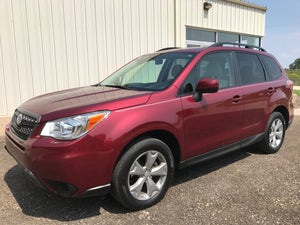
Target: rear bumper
(78,168)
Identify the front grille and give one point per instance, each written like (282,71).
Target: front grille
(23,124)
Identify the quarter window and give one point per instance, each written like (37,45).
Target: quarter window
(251,70)
(271,66)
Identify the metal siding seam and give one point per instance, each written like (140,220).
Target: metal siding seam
(87,44)
(76,43)
(97,45)
(114,34)
(66,48)
(2,65)
(54,45)
(15,50)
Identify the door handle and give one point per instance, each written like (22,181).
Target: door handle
(270,90)
(236,99)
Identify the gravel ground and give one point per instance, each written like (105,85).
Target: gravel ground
(245,187)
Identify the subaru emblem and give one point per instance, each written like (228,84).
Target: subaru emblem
(19,119)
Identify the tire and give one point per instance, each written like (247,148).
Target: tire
(143,174)
(274,134)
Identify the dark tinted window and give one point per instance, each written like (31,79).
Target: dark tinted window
(250,67)
(217,66)
(271,66)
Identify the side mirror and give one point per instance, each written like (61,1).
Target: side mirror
(205,85)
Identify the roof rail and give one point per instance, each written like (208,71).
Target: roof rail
(239,45)
(164,49)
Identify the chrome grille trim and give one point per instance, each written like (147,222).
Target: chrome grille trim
(23,126)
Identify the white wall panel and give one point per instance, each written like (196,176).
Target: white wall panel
(3,105)
(49,55)
(35,46)
(10,74)
(49,45)
(59,35)
(92,44)
(101,38)
(71,43)
(22,47)
(119,29)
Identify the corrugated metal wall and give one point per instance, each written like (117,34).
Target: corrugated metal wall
(49,45)
(223,16)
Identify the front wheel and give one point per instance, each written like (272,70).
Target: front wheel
(274,134)
(143,174)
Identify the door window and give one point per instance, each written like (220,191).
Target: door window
(251,70)
(214,65)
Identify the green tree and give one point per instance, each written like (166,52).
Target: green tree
(295,65)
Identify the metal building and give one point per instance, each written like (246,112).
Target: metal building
(49,45)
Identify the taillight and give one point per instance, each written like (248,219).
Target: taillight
(291,84)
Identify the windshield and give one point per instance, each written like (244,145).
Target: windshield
(152,72)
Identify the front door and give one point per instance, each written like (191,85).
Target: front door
(216,120)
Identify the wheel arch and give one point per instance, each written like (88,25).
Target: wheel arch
(163,135)
(285,113)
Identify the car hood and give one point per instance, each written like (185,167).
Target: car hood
(82,100)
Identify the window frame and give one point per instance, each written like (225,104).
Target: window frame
(206,43)
(266,70)
(238,72)
(234,70)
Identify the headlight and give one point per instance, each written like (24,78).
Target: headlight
(73,127)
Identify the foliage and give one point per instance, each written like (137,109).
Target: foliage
(297,92)
(295,65)
(294,75)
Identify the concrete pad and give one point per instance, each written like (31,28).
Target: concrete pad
(3,122)
(296,87)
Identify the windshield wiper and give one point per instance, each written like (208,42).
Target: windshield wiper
(116,86)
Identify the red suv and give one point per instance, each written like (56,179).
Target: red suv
(166,110)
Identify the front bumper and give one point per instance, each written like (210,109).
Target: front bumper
(78,168)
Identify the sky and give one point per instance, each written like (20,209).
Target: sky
(282,30)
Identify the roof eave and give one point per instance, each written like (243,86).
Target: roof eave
(248,4)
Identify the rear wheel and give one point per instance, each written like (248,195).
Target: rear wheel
(143,174)
(274,134)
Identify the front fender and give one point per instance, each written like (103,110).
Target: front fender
(123,125)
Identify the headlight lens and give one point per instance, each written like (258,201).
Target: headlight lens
(73,127)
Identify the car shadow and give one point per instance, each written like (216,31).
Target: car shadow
(38,203)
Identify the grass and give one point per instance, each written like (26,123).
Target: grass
(297,92)
(294,75)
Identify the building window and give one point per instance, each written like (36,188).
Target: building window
(250,40)
(203,35)
(199,38)
(204,38)
(227,37)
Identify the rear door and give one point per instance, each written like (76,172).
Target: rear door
(216,120)
(256,93)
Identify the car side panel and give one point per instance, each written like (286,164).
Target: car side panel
(122,126)
(259,103)
(212,123)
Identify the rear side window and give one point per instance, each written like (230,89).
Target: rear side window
(250,67)
(273,70)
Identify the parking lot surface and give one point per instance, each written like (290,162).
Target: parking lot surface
(244,187)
